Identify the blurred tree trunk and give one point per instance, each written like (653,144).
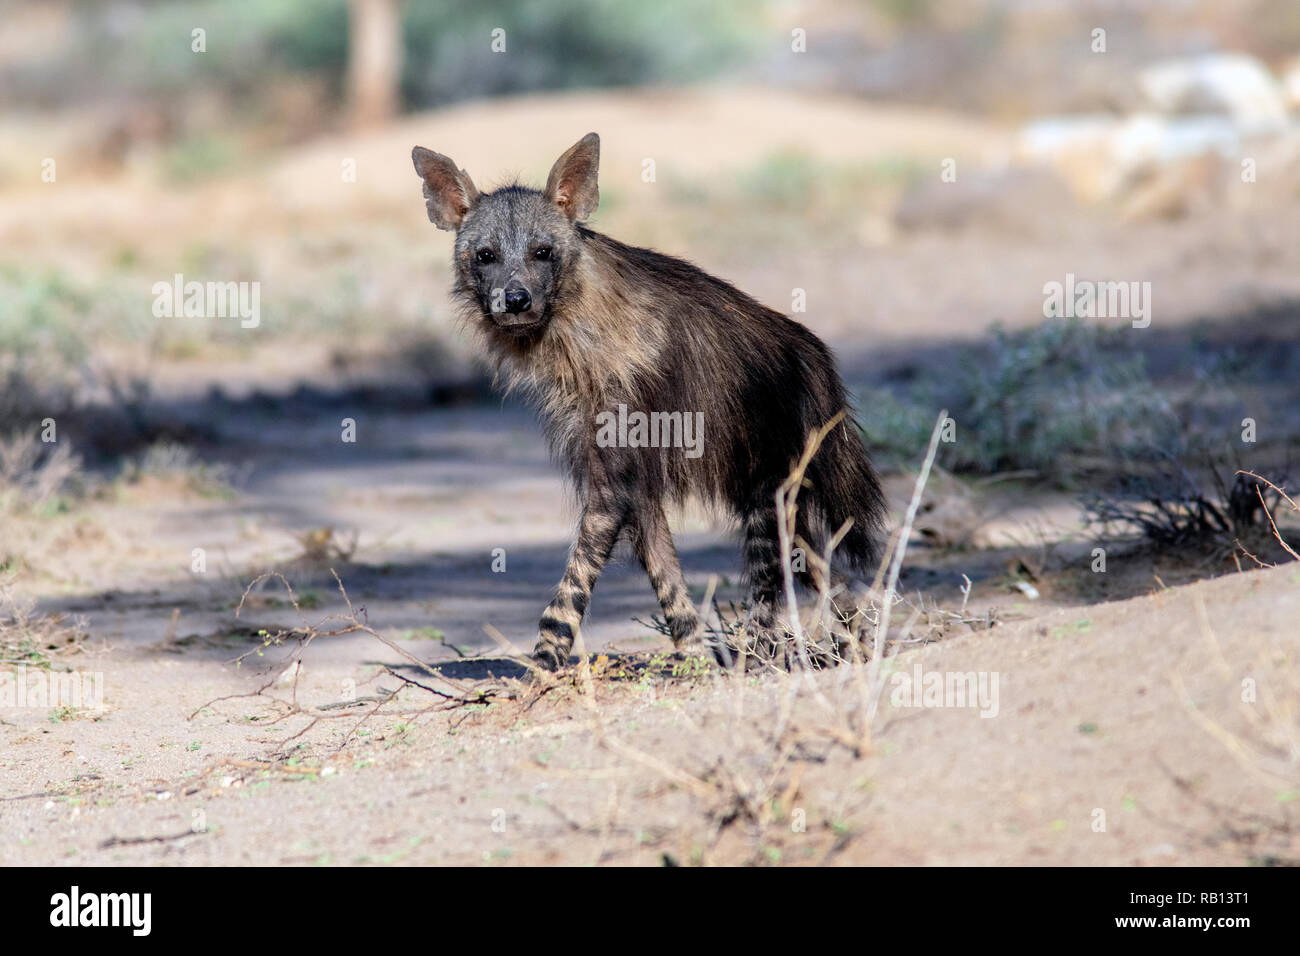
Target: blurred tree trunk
(374,60)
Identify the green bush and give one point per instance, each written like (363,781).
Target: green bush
(1059,399)
(564,44)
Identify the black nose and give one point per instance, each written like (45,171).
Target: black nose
(517,300)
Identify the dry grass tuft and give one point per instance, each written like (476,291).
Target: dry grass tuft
(168,466)
(1173,510)
(35,476)
(30,638)
(321,547)
(299,638)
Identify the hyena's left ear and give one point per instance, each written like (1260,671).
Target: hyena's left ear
(448,191)
(572,183)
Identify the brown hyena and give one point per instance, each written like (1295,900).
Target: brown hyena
(598,332)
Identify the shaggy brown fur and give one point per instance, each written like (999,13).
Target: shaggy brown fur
(586,324)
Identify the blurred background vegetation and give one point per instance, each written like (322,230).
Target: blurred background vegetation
(269,61)
(798,145)
(289,64)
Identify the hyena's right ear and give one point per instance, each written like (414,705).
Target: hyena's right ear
(448,191)
(572,184)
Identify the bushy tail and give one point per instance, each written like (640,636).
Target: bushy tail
(844,485)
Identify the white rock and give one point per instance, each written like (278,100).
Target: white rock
(1049,138)
(1101,157)
(1225,83)
(1147,138)
(1027,589)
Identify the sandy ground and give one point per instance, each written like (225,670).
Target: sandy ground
(1105,749)
(1112,707)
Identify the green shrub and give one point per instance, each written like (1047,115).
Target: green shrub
(1059,399)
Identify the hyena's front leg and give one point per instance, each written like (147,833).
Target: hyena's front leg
(653,543)
(598,531)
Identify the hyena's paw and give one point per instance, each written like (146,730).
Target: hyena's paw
(550,653)
(683,628)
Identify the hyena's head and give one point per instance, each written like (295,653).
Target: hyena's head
(514,246)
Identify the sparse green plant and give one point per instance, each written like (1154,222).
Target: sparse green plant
(1061,399)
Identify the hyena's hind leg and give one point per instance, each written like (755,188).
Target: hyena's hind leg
(653,543)
(598,532)
(763,567)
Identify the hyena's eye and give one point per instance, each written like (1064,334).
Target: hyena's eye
(542,254)
(485,256)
